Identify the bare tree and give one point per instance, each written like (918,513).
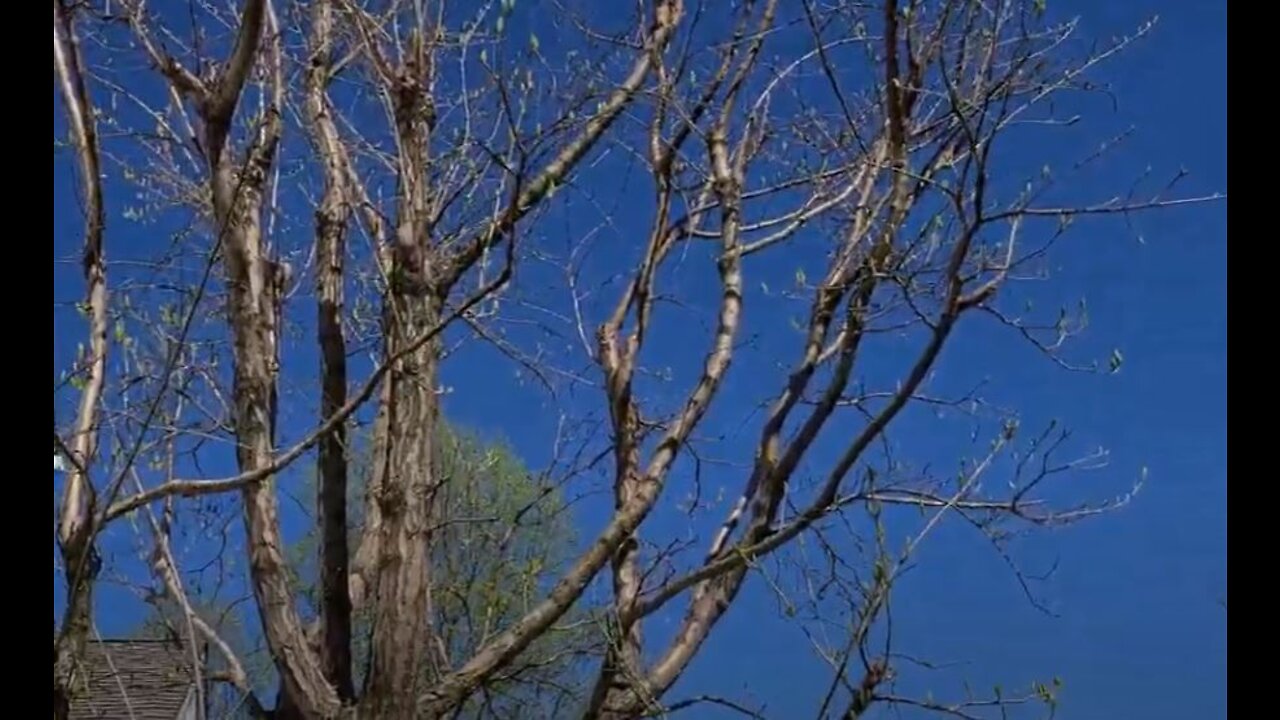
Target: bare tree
(458,161)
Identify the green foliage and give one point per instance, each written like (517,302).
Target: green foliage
(500,535)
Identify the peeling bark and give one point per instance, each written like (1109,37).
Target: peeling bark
(254,283)
(403,628)
(332,217)
(77,506)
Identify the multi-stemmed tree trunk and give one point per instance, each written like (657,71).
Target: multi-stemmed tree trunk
(745,156)
(392,573)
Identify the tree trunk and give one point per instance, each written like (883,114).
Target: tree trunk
(73,640)
(76,522)
(623,663)
(401,603)
(331,502)
(254,284)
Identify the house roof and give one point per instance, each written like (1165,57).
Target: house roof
(133,680)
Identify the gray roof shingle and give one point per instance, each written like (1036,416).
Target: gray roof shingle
(133,680)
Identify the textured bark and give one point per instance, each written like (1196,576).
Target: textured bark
(401,603)
(76,509)
(364,565)
(252,319)
(254,282)
(401,606)
(332,218)
(623,662)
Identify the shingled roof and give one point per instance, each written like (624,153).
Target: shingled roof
(134,680)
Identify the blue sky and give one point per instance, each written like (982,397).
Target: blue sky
(1138,630)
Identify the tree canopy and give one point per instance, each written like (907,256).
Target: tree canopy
(711,266)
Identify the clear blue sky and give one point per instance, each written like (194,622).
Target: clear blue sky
(1139,629)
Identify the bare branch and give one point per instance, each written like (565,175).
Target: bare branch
(196,488)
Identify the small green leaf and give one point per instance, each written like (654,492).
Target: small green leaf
(1116,360)
(1010,429)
